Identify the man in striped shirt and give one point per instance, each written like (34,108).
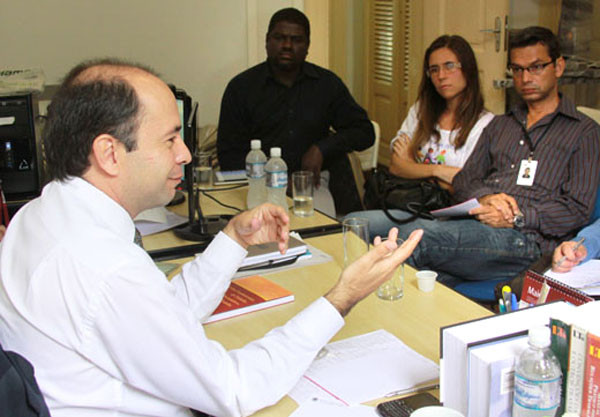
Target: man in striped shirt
(520,216)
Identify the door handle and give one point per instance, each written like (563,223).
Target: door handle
(497,31)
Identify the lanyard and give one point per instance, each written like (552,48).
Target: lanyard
(528,138)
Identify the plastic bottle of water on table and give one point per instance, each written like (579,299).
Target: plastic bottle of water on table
(255,171)
(276,170)
(537,378)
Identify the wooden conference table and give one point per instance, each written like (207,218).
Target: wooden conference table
(415,319)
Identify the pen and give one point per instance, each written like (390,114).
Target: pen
(506,295)
(501,307)
(577,245)
(513,302)
(413,390)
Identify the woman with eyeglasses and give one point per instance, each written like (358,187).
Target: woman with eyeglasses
(443,126)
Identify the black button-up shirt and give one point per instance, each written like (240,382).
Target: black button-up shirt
(316,109)
(566,144)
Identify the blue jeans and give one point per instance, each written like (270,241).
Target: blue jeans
(460,249)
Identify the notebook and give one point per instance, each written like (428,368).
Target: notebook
(267,254)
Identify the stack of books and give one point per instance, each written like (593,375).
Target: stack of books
(576,343)
(477,358)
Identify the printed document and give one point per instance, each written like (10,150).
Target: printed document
(585,277)
(363,368)
(461,209)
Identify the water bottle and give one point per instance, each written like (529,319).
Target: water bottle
(255,171)
(276,170)
(537,378)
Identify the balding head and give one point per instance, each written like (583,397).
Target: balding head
(96,97)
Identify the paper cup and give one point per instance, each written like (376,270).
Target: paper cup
(426,280)
(435,410)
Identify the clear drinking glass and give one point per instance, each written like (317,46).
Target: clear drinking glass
(303,190)
(393,288)
(355,231)
(203,169)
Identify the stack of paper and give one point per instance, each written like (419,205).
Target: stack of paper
(364,368)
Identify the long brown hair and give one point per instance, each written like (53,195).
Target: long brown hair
(431,105)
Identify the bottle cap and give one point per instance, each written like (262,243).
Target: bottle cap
(275,152)
(539,336)
(255,144)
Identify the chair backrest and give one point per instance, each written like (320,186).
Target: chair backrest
(590,112)
(19,392)
(368,157)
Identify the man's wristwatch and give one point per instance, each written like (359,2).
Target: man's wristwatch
(519,221)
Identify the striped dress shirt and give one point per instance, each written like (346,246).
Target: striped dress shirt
(566,144)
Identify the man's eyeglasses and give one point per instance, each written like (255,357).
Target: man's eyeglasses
(449,67)
(536,69)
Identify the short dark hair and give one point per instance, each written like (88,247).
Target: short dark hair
(85,107)
(290,15)
(533,35)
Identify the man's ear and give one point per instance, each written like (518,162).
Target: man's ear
(107,154)
(559,66)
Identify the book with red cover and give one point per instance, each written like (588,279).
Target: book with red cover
(590,406)
(250,294)
(532,287)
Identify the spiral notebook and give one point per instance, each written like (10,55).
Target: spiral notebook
(532,288)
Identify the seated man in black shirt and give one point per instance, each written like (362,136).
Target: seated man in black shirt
(298,106)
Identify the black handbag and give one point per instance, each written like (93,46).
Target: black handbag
(419,196)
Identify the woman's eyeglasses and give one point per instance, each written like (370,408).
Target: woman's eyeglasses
(450,67)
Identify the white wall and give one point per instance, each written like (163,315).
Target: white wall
(199,45)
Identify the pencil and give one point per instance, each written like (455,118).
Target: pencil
(577,245)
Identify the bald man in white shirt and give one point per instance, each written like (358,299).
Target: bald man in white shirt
(107,334)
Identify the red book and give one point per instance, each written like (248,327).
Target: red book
(532,287)
(591,379)
(250,294)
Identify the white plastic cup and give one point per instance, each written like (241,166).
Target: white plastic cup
(435,410)
(426,280)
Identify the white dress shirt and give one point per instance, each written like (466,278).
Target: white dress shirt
(443,152)
(108,335)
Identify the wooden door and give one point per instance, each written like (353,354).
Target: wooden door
(476,21)
(386,85)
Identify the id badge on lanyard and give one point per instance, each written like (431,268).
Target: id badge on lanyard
(527,172)
(529,166)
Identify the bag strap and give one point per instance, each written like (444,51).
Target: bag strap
(417,209)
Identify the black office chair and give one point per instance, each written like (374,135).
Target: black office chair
(20,395)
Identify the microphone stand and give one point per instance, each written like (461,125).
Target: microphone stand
(199,228)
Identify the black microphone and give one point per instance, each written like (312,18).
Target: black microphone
(199,228)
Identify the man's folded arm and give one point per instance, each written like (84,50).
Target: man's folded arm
(353,130)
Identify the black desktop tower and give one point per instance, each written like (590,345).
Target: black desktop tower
(18,155)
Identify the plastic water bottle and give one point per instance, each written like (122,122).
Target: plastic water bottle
(537,378)
(255,171)
(276,170)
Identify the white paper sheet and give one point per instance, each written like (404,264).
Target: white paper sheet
(461,209)
(363,368)
(321,408)
(157,220)
(585,276)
